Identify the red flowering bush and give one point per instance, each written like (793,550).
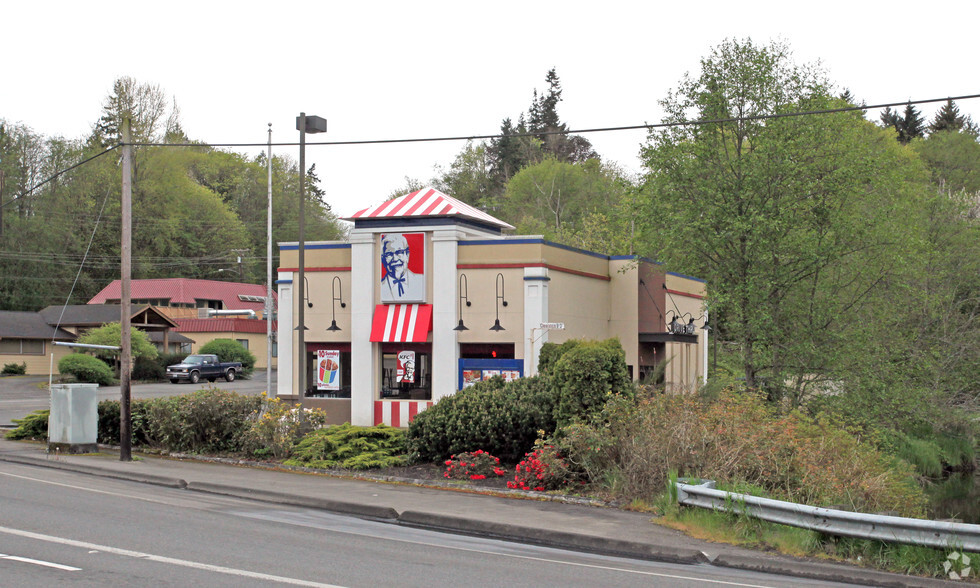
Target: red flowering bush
(542,469)
(473,465)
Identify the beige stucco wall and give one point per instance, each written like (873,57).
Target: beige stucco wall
(478,318)
(686,297)
(38,365)
(257,344)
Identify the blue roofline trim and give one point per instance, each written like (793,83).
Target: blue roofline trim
(537,241)
(688,277)
(637,257)
(316,246)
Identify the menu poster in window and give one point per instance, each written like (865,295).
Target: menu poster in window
(487,374)
(510,375)
(328,369)
(405,371)
(471,377)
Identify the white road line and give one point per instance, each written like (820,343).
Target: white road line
(416,541)
(63,485)
(162,559)
(38,562)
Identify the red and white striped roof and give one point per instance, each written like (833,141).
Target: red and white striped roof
(427,202)
(401,323)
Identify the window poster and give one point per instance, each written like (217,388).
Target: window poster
(402,267)
(328,369)
(471,377)
(405,370)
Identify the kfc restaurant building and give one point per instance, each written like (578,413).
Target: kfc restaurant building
(429,296)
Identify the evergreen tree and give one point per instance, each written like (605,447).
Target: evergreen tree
(948,118)
(913,126)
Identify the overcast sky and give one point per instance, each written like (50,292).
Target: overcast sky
(382,70)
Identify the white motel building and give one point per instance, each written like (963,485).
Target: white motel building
(430,295)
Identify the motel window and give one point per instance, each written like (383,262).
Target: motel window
(243,342)
(22,346)
(406,375)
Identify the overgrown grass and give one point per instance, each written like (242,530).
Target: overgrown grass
(749,532)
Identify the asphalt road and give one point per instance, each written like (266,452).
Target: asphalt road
(65,528)
(22,395)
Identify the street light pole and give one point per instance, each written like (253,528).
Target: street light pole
(304,124)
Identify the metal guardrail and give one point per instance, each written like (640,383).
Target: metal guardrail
(834,522)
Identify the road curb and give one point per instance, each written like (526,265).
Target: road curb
(548,538)
(364,511)
(826,572)
(96,471)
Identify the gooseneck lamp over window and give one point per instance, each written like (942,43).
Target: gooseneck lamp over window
(463,297)
(500,301)
(334,286)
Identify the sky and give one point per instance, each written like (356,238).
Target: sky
(399,70)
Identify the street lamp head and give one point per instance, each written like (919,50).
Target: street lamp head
(314,124)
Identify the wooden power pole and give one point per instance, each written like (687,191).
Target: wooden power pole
(125,270)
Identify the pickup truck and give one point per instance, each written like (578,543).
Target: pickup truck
(196,367)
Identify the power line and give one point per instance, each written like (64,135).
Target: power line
(576,131)
(515,135)
(60,173)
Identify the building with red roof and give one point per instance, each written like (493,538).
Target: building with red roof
(185,301)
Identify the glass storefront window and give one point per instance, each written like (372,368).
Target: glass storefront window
(406,375)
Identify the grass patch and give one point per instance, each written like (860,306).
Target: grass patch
(745,531)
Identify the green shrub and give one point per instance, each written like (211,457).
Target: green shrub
(586,376)
(228,350)
(552,352)
(172,359)
(351,447)
(109,422)
(15,369)
(208,421)
(148,369)
(501,418)
(86,368)
(34,426)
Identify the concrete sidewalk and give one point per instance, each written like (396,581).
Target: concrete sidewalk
(530,518)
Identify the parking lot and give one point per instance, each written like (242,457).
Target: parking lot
(22,395)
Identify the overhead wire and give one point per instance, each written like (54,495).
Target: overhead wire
(647,126)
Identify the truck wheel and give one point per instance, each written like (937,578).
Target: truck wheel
(195,377)
(230,375)
(174,380)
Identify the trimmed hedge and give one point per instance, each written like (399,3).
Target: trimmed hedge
(502,419)
(86,368)
(586,376)
(228,350)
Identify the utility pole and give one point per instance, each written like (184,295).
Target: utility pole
(125,416)
(268,282)
(241,262)
(1,203)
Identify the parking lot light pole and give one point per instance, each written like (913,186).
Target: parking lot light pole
(304,124)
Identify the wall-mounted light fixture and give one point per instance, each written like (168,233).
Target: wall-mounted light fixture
(500,300)
(463,297)
(678,326)
(306,294)
(333,287)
